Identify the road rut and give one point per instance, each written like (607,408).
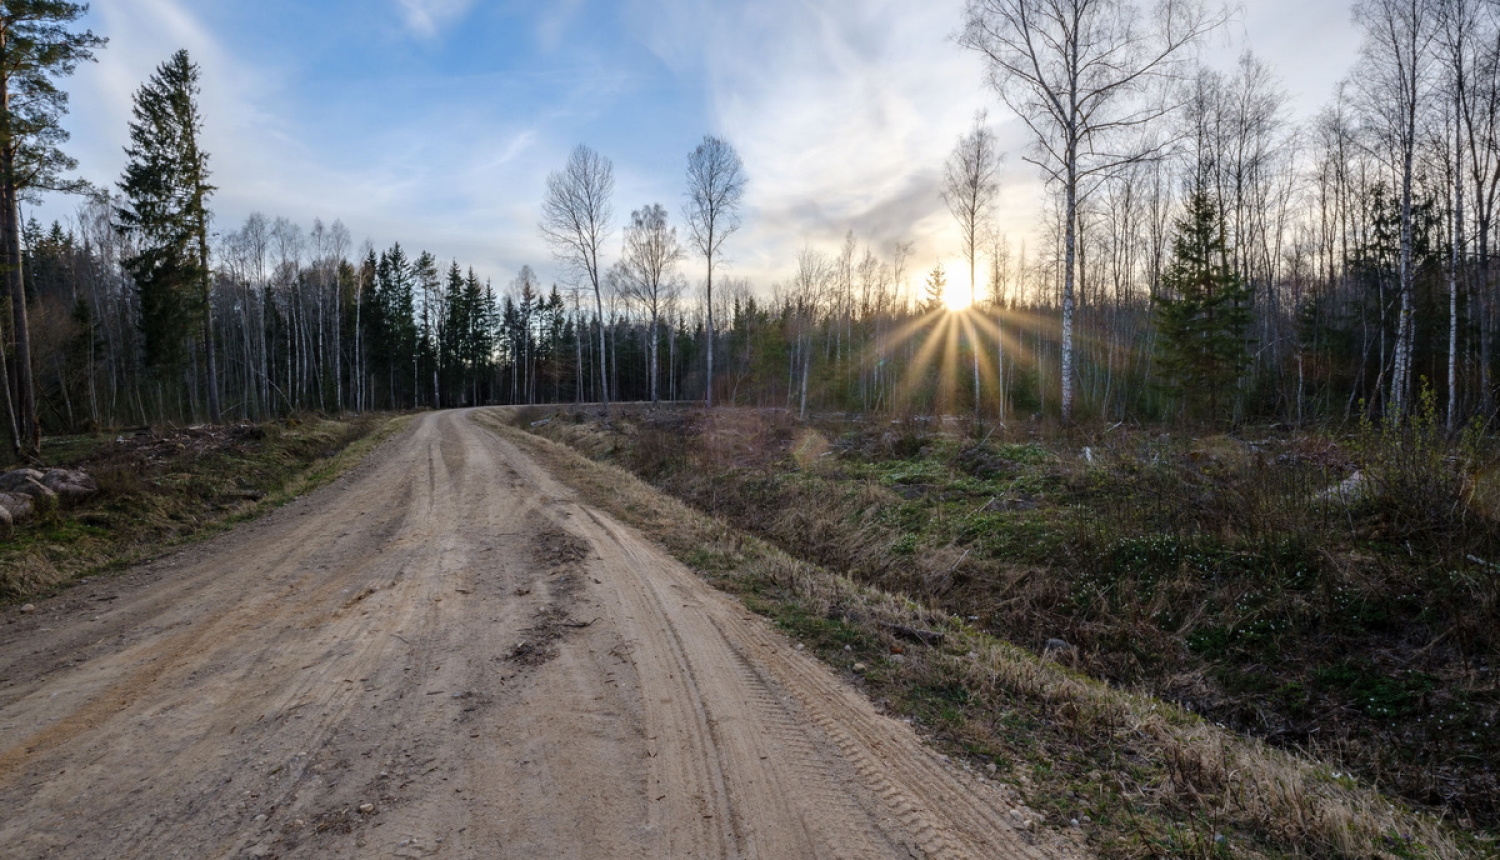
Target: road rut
(446,654)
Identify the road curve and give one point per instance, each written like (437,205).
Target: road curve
(445,654)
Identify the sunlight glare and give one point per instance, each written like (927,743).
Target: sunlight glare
(956,296)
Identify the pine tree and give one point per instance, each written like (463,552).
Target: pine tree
(36,48)
(1203,310)
(166,190)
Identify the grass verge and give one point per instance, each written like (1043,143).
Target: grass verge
(1142,777)
(162,489)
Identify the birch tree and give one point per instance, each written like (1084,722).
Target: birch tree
(970,188)
(1397,79)
(576,215)
(716,188)
(648,271)
(1080,74)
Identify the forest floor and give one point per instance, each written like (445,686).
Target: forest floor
(1292,632)
(448,652)
(159,488)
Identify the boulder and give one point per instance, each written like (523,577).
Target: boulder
(71,485)
(16,506)
(26,482)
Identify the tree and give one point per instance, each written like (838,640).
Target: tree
(969,189)
(1078,73)
(937,291)
(1203,308)
(575,220)
(716,188)
(36,48)
(166,188)
(1458,19)
(1397,80)
(648,270)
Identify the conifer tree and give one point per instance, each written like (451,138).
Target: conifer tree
(36,48)
(1203,311)
(937,290)
(166,190)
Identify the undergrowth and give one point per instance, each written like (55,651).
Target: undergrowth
(157,489)
(1334,596)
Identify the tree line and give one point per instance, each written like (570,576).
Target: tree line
(1203,255)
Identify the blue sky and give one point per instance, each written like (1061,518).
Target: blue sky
(435,122)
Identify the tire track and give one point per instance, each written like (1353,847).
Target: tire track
(341,678)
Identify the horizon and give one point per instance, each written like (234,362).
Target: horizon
(434,123)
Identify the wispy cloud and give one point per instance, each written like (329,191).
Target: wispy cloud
(843,112)
(426,18)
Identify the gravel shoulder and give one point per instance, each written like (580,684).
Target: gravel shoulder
(445,653)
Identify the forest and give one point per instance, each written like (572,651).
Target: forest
(1199,256)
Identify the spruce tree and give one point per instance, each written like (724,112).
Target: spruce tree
(36,49)
(937,291)
(166,191)
(1203,311)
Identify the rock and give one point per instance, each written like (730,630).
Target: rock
(1352,489)
(260,818)
(5,517)
(28,609)
(859,667)
(26,482)
(16,506)
(366,808)
(1056,645)
(72,485)
(15,477)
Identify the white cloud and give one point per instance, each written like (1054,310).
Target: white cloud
(425,18)
(843,113)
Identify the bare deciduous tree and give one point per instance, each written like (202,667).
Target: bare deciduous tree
(1078,73)
(648,270)
(575,220)
(716,187)
(1397,80)
(969,189)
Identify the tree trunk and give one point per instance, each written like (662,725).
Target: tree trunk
(208,310)
(1401,373)
(1457,264)
(708,389)
(654,397)
(28,429)
(1070,217)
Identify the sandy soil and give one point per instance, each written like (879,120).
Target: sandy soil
(445,654)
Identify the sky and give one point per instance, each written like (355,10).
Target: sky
(435,122)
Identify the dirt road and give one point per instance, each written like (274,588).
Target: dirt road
(445,654)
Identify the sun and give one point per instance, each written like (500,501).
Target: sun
(956,296)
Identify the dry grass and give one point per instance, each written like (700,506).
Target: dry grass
(1158,781)
(159,490)
(1213,572)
